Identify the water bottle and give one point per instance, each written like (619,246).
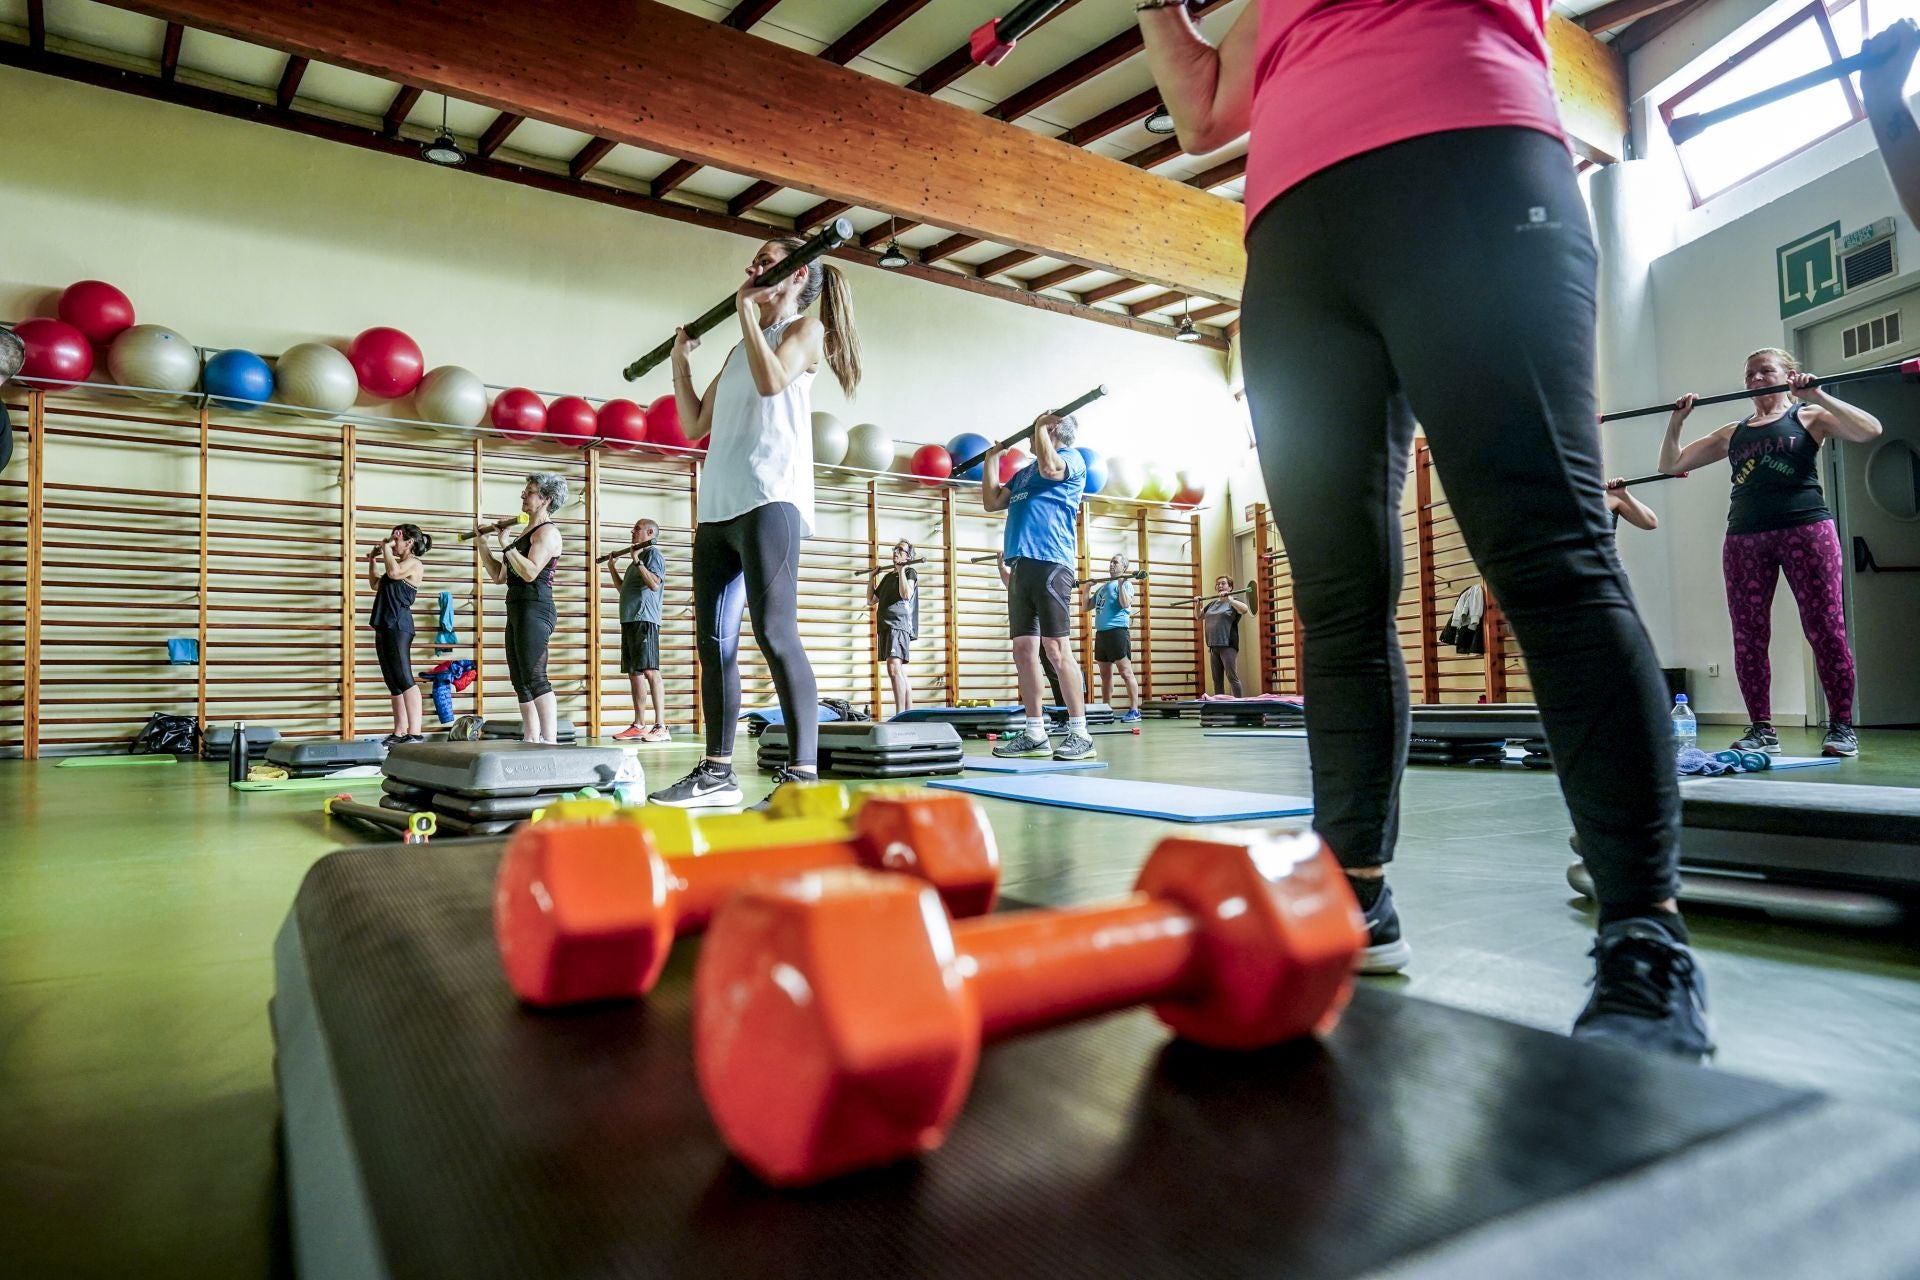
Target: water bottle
(1686,730)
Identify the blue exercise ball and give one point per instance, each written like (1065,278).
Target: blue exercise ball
(1096,469)
(964,446)
(241,375)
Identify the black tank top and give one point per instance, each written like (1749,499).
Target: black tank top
(519,590)
(393,605)
(1776,476)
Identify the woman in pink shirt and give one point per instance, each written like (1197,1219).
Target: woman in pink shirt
(1418,251)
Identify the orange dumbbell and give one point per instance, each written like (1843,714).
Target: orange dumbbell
(589,910)
(838,1017)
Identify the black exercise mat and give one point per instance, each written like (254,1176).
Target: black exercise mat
(434,1128)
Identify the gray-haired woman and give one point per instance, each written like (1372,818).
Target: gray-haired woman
(526,566)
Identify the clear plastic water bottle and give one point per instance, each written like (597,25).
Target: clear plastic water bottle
(1686,730)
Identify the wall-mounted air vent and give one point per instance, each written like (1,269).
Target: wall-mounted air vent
(1870,335)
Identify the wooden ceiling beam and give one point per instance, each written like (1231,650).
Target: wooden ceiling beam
(1590,82)
(808,219)
(673,175)
(1006,262)
(1621,12)
(503,124)
(1111,289)
(596,150)
(170,50)
(875,236)
(752,196)
(1159,153)
(36,25)
(960,61)
(1158,302)
(1062,80)
(748,12)
(234,106)
(1113,119)
(871,29)
(290,78)
(648,75)
(1636,36)
(947,248)
(1220,175)
(397,113)
(1057,277)
(1212,312)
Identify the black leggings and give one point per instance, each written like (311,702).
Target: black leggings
(391,645)
(753,562)
(529,628)
(1469,309)
(1225,662)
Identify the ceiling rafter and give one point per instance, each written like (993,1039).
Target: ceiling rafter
(503,124)
(290,78)
(383,138)
(170,50)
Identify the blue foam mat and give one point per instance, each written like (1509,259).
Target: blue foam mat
(1134,798)
(1797,762)
(1035,764)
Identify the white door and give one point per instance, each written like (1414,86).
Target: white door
(1874,489)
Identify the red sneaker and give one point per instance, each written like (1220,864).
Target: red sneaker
(629,733)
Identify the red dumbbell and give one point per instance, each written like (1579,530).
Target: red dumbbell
(838,1017)
(589,910)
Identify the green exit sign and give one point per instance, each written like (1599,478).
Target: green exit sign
(1809,270)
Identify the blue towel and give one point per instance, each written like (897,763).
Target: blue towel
(1693,761)
(445,636)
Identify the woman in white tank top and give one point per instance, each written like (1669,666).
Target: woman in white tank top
(756,505)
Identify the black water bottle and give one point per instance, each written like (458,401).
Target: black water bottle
(237,757)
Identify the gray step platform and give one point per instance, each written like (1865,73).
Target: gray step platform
(217,743)
(870,749)
(501,768)
(510,729)
(433,1128)
(1835,853)
(306,758)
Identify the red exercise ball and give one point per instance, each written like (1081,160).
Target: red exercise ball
(622,423)
(388,361)
(1010,463)
(96,309)
(663,427)
(1189,498)
(519,414)
(570,420)
(931,463)
(56,351)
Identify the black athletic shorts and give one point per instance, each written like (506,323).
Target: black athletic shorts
(895,642)
(1112,645)
(1039,598)
(639,647)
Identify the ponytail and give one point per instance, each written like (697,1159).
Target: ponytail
(836,313)
(416,537)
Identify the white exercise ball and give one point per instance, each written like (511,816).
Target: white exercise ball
(829,440)
(869,448)
(452,396)
(317,377)
(1123,478)
(154,356)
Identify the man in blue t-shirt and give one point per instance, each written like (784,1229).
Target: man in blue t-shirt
(640,591)
(1042,503)
(1112,605)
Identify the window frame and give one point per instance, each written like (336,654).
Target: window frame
(1822,19)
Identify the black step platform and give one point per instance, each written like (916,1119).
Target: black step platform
(866,749)
(1832,853)
(434,1128)
(510,729)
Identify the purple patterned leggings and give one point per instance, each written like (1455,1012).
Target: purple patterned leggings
(1809,555)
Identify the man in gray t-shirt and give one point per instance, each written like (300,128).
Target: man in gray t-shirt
(640,591)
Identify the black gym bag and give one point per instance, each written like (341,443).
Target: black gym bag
(167,735)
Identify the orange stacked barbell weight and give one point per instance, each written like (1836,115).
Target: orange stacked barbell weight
(838,1016)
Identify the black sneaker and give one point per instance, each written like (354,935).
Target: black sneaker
(709,786)
(1840,740)
(781,777)
(1387,951)
(1648,992)
(1758,737)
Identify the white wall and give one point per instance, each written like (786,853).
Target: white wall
(245,235)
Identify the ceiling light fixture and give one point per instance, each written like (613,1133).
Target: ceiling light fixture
(893,257)
(1184,331)
(1161,121)
(443,149)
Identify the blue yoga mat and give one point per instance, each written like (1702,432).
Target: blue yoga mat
(1034,764)
(1136,799)
(1254,733)
(1799,762)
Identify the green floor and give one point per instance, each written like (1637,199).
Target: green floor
(138,909)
